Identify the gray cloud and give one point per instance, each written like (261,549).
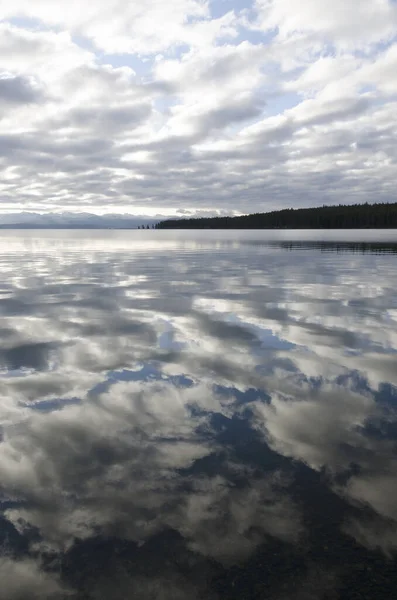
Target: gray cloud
(24,579)
(18,90)
(112,118)
(201,127)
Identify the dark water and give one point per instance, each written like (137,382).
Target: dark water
(200,418)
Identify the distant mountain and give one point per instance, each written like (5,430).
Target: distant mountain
(356,216)
(69,220)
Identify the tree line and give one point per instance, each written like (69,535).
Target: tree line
(355,216)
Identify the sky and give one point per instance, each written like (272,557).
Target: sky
(190,107)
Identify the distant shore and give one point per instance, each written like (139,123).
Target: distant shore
(356,216)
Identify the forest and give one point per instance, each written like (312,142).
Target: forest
(356,216)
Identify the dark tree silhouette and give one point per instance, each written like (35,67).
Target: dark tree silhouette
(356,216)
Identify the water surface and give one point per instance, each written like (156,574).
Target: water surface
(207,416)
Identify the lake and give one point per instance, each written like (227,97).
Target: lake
(198,415)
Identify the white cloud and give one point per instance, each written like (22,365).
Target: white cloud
(114,26)
(357,23)
(107,106)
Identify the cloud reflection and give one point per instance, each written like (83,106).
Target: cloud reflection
(147,395)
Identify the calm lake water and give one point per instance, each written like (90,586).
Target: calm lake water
(198,415)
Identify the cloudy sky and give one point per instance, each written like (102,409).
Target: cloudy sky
(196,105)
